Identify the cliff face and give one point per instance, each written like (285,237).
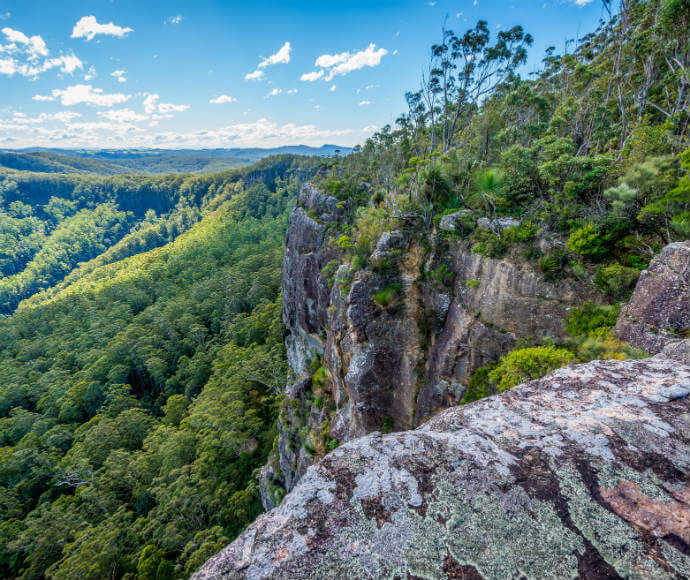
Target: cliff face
(583,473)
(391,344)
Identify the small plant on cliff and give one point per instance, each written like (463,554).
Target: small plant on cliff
(525,364)
(386,296)
(588,317)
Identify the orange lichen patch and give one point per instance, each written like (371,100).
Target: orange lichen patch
(281,554)
(660,517)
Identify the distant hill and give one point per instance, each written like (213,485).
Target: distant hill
(152,161)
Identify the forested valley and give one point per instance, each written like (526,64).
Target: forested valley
(139,379)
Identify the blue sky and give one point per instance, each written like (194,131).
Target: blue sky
(135,73)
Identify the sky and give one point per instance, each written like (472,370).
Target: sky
(224,73)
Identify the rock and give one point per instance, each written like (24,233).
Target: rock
(453,221)
(658,314)
(497,225)
(583,473)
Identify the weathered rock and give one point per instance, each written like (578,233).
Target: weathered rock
(658,314)
(497,225)
(583,473)
(452,222)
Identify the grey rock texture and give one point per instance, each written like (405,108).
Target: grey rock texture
(657,318)
(583,473)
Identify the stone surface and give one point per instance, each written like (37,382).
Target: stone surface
(658,314)
(452,221)
(497,225)
(583,473)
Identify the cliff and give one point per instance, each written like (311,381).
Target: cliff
(583,473)
(386,346)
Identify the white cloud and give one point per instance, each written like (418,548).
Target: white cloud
(28,56)
(312,76)
(223,99)
(332,89)
(119,75)
(35,44)
(150,103)
(276,91)
(170,108)
(88,27)
(123,116)
(345,62)
(292,91)
(174,19)
(367,57)
(329,60)
(582,2)
(62,116)
(254,76)
(5,16)
(280,57)
(90,74)
(86,94)
(43,98)
(363,103)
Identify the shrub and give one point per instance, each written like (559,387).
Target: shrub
(553,265)
(319,378)
(488,244)
(589,241)
(479,385)
(387,424)
(525,364)
(525,232)
(583,320)
(472,283)
(616,280)
(329,270)
(601,344)
(388,294)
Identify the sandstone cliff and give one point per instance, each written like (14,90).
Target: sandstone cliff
(390,364)
(583,473)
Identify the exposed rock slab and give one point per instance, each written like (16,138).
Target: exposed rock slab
(584,473)
(658,314)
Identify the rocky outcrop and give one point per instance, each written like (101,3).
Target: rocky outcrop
(583,473)
(657,318)
(397,340)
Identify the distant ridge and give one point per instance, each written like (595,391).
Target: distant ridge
(152,161)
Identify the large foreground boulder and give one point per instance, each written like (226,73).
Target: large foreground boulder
(583,473)
(657,318)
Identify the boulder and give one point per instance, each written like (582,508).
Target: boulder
(583,473)
(453,221)
(497,225)
(658,314)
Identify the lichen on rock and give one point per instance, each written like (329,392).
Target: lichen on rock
(583,473)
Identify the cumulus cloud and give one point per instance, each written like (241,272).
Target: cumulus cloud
(280,57)
(86,94)
(312,76)
(119,75)
(28,56)
(152,104)
(174,19)
(275,92)
(363,103)
(332,65)
(123,116)
(170,108)
(368,57)
(329,60)
(88,27)
(221,99)
(35,44)
(43,98)
(62,116)
(254,76)
(292,91)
